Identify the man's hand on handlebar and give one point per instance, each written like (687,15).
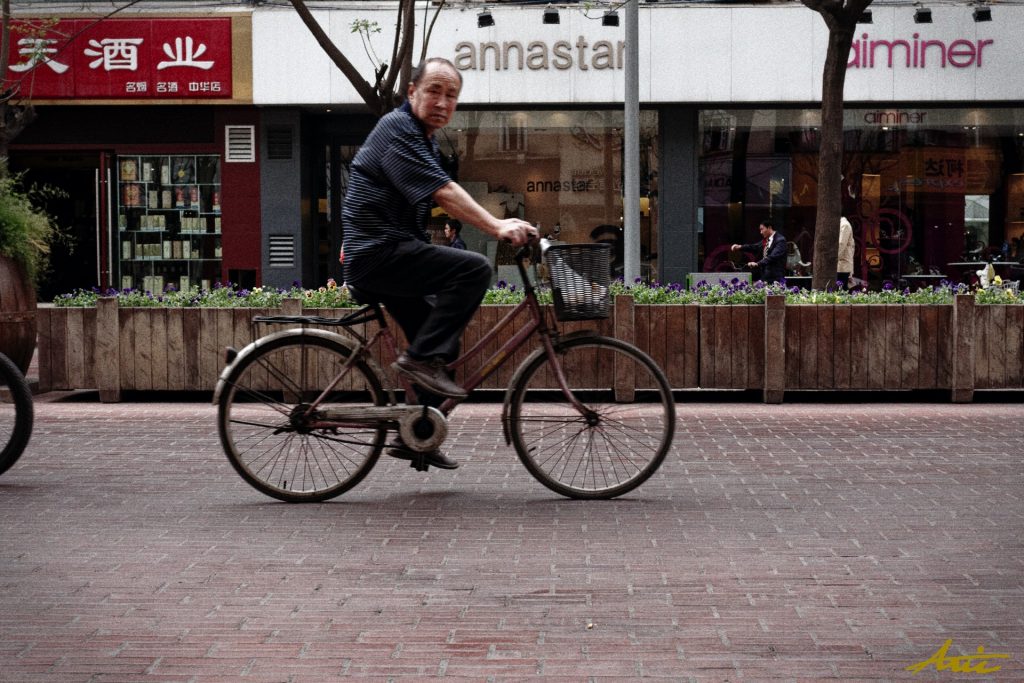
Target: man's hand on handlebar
(517,232)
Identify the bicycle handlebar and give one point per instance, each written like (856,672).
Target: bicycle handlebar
(527,249)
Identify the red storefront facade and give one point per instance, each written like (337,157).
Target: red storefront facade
(146,125)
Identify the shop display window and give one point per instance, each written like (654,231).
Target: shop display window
(932,193)
(168,221)
(560,170)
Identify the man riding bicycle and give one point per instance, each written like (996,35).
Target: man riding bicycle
(395,179)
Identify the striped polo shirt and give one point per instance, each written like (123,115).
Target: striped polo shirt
(388,201)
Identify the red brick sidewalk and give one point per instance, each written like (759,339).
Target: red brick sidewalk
(795,542)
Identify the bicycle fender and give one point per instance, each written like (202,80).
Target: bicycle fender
(297,332)
(505,428)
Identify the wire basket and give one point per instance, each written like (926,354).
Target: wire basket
(580,275)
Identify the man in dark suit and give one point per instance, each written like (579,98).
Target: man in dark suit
(772,249)
(453,233)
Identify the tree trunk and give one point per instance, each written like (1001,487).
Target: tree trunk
(830,160)
(841,17)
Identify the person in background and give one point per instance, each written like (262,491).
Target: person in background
(844,264)
(771,267)
(453,233)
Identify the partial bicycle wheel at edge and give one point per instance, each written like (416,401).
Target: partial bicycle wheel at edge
(618,443)
(265,427)
(15,413)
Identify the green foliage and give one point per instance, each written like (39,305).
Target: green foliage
(998,295)
(737,293)
(364,26)
(221,296)
(504,293)
(26,230)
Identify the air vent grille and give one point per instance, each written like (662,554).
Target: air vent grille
(279,142)
(240,143)
(282,251)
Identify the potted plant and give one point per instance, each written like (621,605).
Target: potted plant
(26,232)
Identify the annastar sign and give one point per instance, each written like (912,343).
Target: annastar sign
(122,58)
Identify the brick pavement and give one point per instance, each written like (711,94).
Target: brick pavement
(792,542)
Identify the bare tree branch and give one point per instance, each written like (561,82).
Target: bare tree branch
(430,28)
(365,90)
(401,66)
(389,78)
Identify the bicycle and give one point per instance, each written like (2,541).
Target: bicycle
(304,413)
(15,413)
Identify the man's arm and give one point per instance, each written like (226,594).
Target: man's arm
(459,204)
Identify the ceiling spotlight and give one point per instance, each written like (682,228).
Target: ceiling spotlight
(922,15)
(484,19)
(551,15)
(865,17)
(611,18)
(982,13)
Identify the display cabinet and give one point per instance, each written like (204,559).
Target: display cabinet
(168,221)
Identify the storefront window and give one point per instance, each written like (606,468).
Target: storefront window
(931,193)
(561,170)
(168,221)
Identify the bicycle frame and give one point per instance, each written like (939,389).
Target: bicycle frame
(537,323)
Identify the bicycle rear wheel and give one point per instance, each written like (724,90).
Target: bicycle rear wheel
(619,442)
(15,413)
(270,436)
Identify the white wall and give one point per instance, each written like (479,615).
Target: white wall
(696,54)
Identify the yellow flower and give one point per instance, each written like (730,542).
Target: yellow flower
(309,293)
(997,280)
(331,284)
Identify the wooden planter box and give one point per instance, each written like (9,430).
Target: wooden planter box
(773,348)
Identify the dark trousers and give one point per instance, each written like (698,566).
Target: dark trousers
(431,291)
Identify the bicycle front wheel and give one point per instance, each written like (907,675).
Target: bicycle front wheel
(620,438)
(15,413)
(273,439)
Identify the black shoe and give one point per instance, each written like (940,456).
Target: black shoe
(430,375)
(420,461)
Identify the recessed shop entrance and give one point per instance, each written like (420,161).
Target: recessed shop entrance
(75,262)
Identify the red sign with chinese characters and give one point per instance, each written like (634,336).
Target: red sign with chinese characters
(123,58)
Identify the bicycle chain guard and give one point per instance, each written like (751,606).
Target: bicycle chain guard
(423,430)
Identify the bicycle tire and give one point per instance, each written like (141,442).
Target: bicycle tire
(614,449)
(264,437)
(16,416)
